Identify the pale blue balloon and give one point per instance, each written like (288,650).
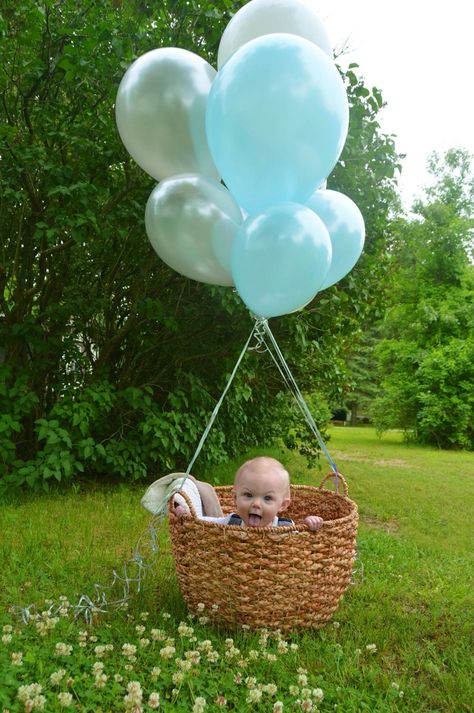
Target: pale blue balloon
(346,228)
(280,258)
(276,120)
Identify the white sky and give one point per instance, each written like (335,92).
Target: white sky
(420,54)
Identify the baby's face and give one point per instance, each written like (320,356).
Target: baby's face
(260,495)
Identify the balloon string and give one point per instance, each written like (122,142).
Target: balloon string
(219,403)
(288,378)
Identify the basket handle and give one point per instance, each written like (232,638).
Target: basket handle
(339,477)
(187,499)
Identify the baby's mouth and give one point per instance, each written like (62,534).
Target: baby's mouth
(255,520)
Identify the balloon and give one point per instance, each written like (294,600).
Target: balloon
(186,217)
(346,229)
(276,120)
(280,258)
(160,111)
(262,17)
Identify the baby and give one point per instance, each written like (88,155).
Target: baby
(261,490)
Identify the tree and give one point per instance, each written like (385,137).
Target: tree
(112,362)
(426,357)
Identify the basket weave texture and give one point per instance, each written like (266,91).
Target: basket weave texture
(273,577)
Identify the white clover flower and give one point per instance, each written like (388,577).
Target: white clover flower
(65,699)
(62,649)
(294,690)
(254,696)
(193,656)
(184,665)
(140,629)
(26,692)
(6,639)
(154,700)
(167,652)
(17,658)
(169,641)
(278,707)
(177,678)
(135,691)
(7,629)
(396,686)
(118,678)
(97,667)
(232,653)
(253,654)
(358,652)
(93,639)
(129,667)
(203,619)
(220,701)
(201,607)
(38,703)
(99,651)
(371,648)
(155,672)
(144,643)
(129,651)
(318,694)
(294,647)
(100,680)
(307,704)
(212,656)
(271,689)
(144,615)
(270,657)
(57,676)
(165,615)
(205,645)
(158,634)
(282,647)
(199,705)
(185,630)
(237,678)
(303,679)
(229,643)
(250,681)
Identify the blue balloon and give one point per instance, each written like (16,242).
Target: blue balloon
(346,228)
(276,120)
(280,258)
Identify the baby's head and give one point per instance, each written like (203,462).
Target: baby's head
(261,490)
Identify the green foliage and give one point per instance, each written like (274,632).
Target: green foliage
(426,357)
(88,314)
(400,641)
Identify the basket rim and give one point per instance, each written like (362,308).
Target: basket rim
(297,528)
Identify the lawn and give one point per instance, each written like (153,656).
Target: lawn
(401,639)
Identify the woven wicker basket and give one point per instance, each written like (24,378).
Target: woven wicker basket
(285,577)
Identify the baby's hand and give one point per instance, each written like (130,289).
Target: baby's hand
(314,522)
(180,510)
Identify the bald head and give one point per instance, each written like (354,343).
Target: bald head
(261,467)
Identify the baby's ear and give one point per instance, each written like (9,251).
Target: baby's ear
(285,504)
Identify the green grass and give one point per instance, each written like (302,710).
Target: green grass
(411,597)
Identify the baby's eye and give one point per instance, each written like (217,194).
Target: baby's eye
(247,495)
(268,498)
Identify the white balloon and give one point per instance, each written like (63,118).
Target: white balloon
(191,222)
(264,17)
(160,111)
